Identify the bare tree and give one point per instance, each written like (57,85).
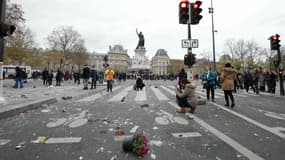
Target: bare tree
(253,55)
(64,39)
(241,51)
(80,55)
(231,47)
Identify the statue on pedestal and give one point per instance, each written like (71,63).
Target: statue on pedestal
(141,39)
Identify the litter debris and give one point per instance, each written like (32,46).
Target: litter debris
(119,132)
(40,139)
(134,129)
(217,158)
(123,99)
(78,109)
(255,134)
(106,120)
(103,132)
(92,119)
(145,105)
(239,156)
(20,145)
(155,143)
(63,110)
(115,157)
(66,97)
(45,110)
(152,156)
(80,158)
(155,128)
(24,96)
(101,149)
(45,105)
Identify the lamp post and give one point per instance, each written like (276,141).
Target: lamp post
(211,11)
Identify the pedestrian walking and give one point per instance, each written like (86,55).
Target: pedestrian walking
(109,76)
(186,97)
(139,83)
(18,77)
(86,76)
(248,81)
(77,77)
(209,81)
(45,76)
(94,77)
(272,82)
(58,77)
(228,76)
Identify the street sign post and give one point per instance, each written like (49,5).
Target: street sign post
(190,43)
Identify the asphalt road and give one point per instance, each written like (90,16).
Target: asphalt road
(88,127)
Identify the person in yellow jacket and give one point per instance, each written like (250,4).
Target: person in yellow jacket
(109,76)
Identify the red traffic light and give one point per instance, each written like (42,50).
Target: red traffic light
(197,4)
(184,4)
(276,37)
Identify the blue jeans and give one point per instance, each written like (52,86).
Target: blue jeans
(19,81)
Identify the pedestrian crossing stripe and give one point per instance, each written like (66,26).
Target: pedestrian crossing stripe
(120,95)
(159,94)
(141,95)
(96,96)
(4,141)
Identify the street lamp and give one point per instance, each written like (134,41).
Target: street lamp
(211,11)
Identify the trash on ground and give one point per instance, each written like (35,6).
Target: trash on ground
(155,128)
(145,105)
(66,97)
(103,132)
(152,156)
(45,110)
(40,139)
(106,120)
(115,157)
(123,99)
(155,143)
(92,119)
(101,149)
(20,145)
(24,96)
(134,129)
(80,158)
(255,134)
(78,109)
(44,105)
(119,132)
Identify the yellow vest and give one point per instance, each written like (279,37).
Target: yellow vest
(109,74)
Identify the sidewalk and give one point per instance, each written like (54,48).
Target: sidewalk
(35,95)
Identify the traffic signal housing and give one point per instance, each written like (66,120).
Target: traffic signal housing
(195,12)
(274,42)
(276,63)
(183,12)
(193,59)
(186,59)
(6,29)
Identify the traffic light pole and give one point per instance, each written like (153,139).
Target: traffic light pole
(189,34)
(2,19)
(280,75)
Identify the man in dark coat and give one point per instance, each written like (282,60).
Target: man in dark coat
(94,77)
(58,77)
(18,77)
(86,76)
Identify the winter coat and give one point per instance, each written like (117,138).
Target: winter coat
(86,72)
(228,76)
(94,75)
(211,79)
(109,74)
(189,92)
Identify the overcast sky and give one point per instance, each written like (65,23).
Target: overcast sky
(108,22)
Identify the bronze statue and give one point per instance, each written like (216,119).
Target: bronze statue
(141,39)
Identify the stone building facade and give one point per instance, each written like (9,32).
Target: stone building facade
(118,58)
(160,62)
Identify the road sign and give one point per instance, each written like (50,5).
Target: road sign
(190,43)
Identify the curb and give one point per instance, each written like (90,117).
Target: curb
(13,110)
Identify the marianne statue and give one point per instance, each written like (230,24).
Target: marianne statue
(141,39)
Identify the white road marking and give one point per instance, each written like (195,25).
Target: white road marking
(78,123)
(141,95)
(240,148)
(63,140)
(120,95)
(204,93)
(159,95)
(122,138)
(274,130)
(169,90)
(4,141)
(186,134)
(96,96)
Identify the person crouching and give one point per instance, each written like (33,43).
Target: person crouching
(186,97)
